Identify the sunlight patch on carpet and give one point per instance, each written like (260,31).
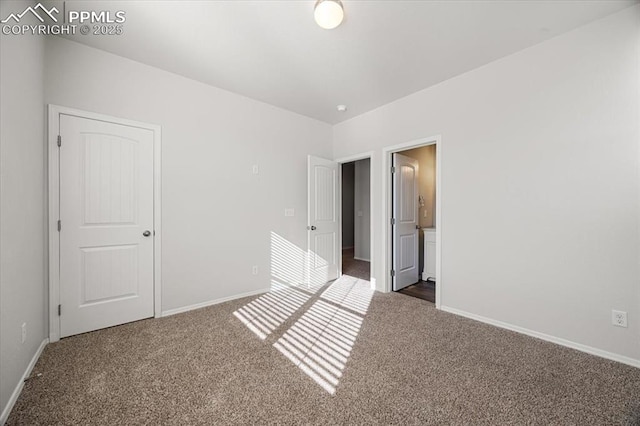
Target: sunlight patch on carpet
(266,313)
(351,293)
(320,342)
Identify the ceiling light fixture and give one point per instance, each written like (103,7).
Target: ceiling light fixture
(341,108)
(328,13)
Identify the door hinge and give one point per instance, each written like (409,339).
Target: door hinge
(59,310)
(393,169)
(393,273)
(393,220)
(59,226)
(59,141)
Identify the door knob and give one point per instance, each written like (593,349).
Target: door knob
(146,233)
(312,228)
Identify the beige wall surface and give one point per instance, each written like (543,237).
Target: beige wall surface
(426,156)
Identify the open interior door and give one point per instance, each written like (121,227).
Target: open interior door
(405,222)
(323,221)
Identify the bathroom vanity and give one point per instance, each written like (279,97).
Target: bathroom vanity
(429,271)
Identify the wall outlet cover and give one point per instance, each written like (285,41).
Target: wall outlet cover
(619,318)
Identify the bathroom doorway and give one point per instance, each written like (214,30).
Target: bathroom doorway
(413,206)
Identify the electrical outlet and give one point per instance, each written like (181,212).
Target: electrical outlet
(254,270)
(289,212)
(619,318)
(24,332)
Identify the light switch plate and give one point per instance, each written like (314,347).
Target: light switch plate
(289,212)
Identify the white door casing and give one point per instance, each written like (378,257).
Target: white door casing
(405,221)
(323,228)
(106,193)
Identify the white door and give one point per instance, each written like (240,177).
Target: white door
(323,221)
(106,232)
(405,222)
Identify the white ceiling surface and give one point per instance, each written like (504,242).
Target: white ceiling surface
(274,52)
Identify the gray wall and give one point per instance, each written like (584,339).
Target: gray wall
(22,203)
(348,176)
(218,219)
(362,210)
(539,168)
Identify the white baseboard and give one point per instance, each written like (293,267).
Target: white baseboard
(360,258)
(175,311)
(20,385)
(557,340)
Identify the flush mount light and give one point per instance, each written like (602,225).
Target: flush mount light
(342,108)
(328,13)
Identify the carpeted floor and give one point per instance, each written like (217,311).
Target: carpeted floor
(404,362)
(354,267)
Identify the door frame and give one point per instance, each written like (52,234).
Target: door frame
(53,128)
(362,156)
(387,209)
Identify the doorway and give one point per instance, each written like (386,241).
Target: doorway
(356,218)
(413,201)
(104,216)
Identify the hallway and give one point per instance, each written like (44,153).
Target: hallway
(354,267)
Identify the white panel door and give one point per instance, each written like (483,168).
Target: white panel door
(405,222)
(106,213)
(323,221)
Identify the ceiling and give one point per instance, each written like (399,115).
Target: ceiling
(274,52)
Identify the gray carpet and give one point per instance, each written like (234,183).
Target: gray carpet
(354,267)
(406,364)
